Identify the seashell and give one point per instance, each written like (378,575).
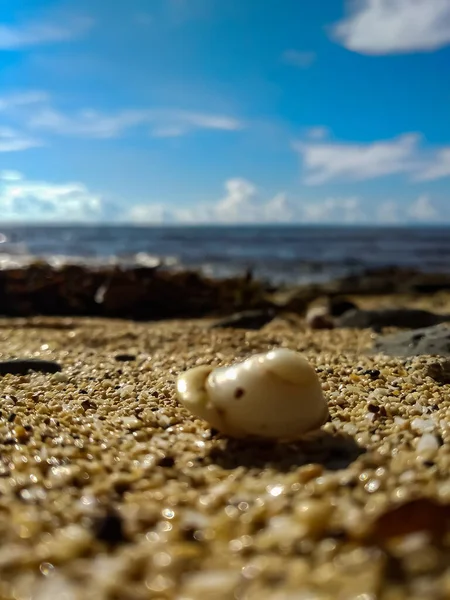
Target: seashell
(276,395)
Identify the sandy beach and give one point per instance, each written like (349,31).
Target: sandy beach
(109,485)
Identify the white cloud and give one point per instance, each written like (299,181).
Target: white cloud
(317,133)
(388,213)
(395,26)
(168,132)
(437,168)
(150,213)
(279,210)
(19,99)
(423,210)
(41,201)
(10,175)
(25,200)
(328,161)
(86,123)
(94,124)
(14,37)
(241,204)
(333,210)
(302,60)
(15,141)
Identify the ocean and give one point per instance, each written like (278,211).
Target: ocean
(279,254)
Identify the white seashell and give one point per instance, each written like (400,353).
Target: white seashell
(276,395)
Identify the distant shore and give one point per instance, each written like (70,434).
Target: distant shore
(160,292)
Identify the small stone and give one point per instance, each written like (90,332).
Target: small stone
(249,319)
(314,515)
(372,373)
(60,377)
(21,433)
(318,317)
(125,357)
(309,472)
(423,425)
(22,366)
(428,445)
(429,340)
(440,372)
(166,461)
(108,528)
(405,318)
(279,396)
(87,404)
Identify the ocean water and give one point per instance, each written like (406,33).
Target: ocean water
(275,253)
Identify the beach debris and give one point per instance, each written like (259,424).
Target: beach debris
(21,366)
(248,319)
(318,317)
(428,340)
(276,395)
(404,318)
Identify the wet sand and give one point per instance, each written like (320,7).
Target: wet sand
(110,490)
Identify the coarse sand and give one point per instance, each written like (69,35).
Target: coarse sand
(110,490)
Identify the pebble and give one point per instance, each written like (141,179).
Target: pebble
(125,357)
(428,444)
(276,395)
(405,318)
(22,366)
(428,340)
(440,372)
(314,515)
(108,528)
(249,319)
(318,317)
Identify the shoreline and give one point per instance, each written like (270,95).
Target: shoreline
(158,292)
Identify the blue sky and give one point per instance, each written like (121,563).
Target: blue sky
(225,111)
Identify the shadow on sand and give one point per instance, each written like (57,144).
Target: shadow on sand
(334,452)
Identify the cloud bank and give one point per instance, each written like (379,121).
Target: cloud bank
(23,200)
(324,160)
(394,26)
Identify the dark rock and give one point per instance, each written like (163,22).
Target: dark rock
(429,340)
(439,371)
(372,373)
(249,319)
(88,404)
(166,461)
(125,357)
(108,528)
(21,366)
(339,306)
(404,318)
